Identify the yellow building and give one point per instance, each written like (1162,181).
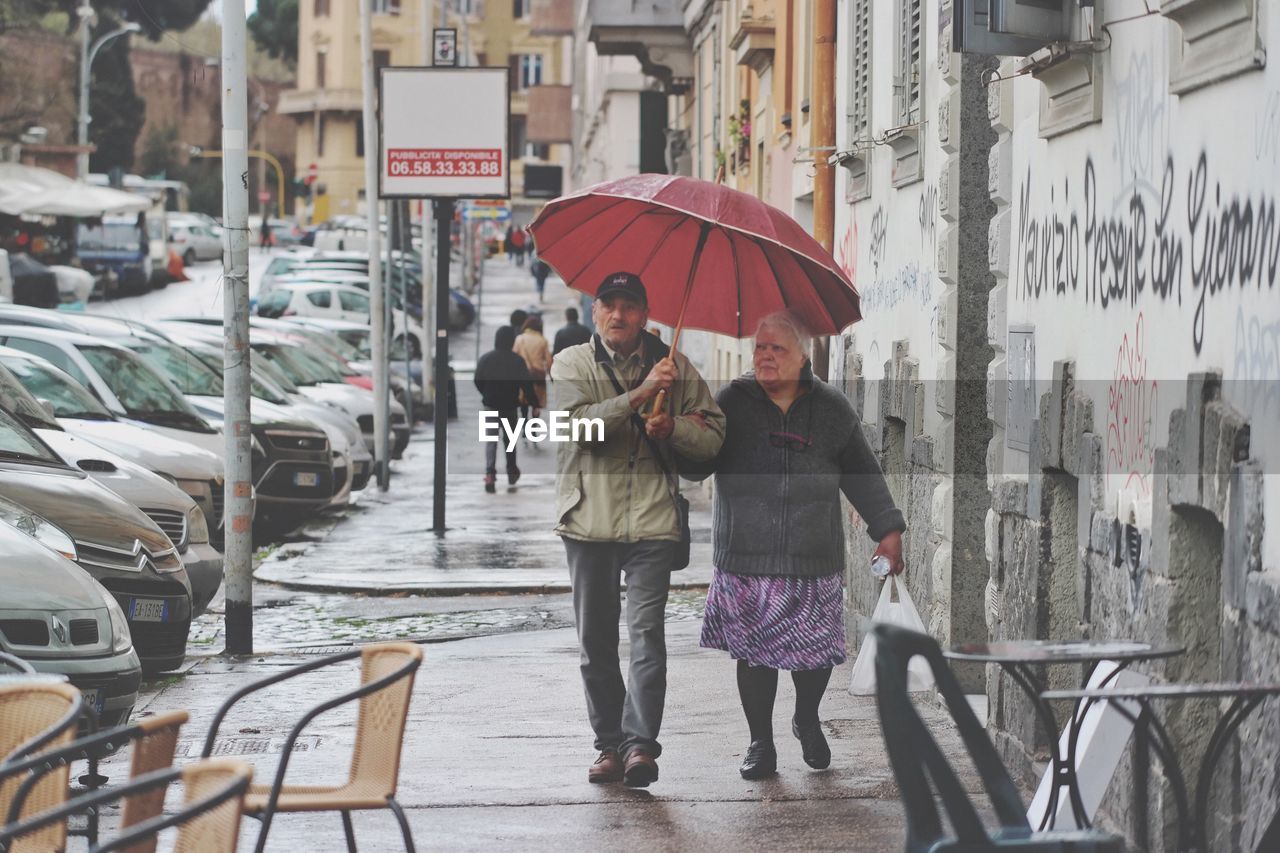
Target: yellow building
(328,101)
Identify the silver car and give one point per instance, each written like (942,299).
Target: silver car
(62,621)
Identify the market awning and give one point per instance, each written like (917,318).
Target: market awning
(33,191)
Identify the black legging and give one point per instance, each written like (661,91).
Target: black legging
(758,687)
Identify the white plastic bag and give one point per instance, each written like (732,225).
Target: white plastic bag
(903,613)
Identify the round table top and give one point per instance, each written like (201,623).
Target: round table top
(1049,651)
(1169,691)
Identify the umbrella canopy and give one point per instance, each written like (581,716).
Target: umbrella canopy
(43,192)
(721,258)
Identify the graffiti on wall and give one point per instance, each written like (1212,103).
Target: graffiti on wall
(1131,412)
(1256,378)
(1188,241)
(847,253)
(1266,132)
(879,239)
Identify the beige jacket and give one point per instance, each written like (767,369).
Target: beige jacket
(615,491)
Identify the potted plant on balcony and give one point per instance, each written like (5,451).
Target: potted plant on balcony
(740,133)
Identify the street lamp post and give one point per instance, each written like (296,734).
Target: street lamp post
(87,55)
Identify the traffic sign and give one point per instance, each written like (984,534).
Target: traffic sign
(264,196)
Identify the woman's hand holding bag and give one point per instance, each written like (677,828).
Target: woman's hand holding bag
(902,613)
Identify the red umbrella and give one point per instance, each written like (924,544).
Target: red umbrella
(711,257)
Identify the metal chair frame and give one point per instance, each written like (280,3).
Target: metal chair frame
(90,748)
(139,832)
(917,760)
(268,813)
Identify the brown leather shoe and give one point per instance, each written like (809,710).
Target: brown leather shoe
(607,768)
(641,769)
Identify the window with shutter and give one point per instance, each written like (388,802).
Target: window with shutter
(859,155)
(907,82)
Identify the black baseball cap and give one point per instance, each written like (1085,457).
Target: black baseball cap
(623,284)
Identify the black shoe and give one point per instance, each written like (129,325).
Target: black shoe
(513,474)
(490,483)
(761,761)
(813,743)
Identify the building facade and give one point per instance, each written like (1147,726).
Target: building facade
(327,105)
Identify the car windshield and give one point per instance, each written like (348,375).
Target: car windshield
(290,361)
(274,303)
(273,372)
(18,442)
(322,367)
(190,374)
(142,391)
(68,398)
(111,236)
(257,387)
(279,266)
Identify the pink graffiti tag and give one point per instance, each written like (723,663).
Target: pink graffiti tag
(847,254)
(1131,411)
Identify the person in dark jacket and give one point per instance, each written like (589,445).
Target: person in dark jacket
(792,446)
(572,333)
(500,376)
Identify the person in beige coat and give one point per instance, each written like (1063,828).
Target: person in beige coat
(536,352)
(616,514)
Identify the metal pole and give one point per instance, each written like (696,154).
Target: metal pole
(387,324)
(235,357)
(406,245)
(444,220)
(82,130)
(823,141)
(428,234)
(376,294)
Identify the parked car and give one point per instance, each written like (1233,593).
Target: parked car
(344,432)
(60,620)
(109,537)
(297,369)
(194,470)
(164,503)
(337,301)
(122,381)
(194,242)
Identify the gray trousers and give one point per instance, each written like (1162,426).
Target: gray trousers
(628,716)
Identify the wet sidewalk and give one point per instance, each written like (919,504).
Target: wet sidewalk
(498,746)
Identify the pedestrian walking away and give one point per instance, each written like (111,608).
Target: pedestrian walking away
(519,239)
(536,352)
(540,269)
(516,322)
(264,234)
(792,445)
(501,377)
(617,514)
(571,333)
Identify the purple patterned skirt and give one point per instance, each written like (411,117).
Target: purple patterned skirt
(781,622)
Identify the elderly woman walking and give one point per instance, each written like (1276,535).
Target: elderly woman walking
(793,445)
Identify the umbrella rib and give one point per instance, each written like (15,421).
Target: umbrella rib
(733,251)
(676,222)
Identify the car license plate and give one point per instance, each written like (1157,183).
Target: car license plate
(94,699)
(306,478)
(149,610)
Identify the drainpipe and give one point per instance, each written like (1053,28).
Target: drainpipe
(822,143)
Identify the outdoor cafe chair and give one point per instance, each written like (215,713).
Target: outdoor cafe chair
(386,684)
(917,760)
(207,822)
(36,715)
(154,739)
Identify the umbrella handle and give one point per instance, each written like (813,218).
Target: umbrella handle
(658,402)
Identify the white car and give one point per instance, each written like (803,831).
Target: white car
(195,242)
(129,388)
(335,301)
(194,470)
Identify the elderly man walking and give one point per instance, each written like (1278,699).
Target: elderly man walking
(617,513)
